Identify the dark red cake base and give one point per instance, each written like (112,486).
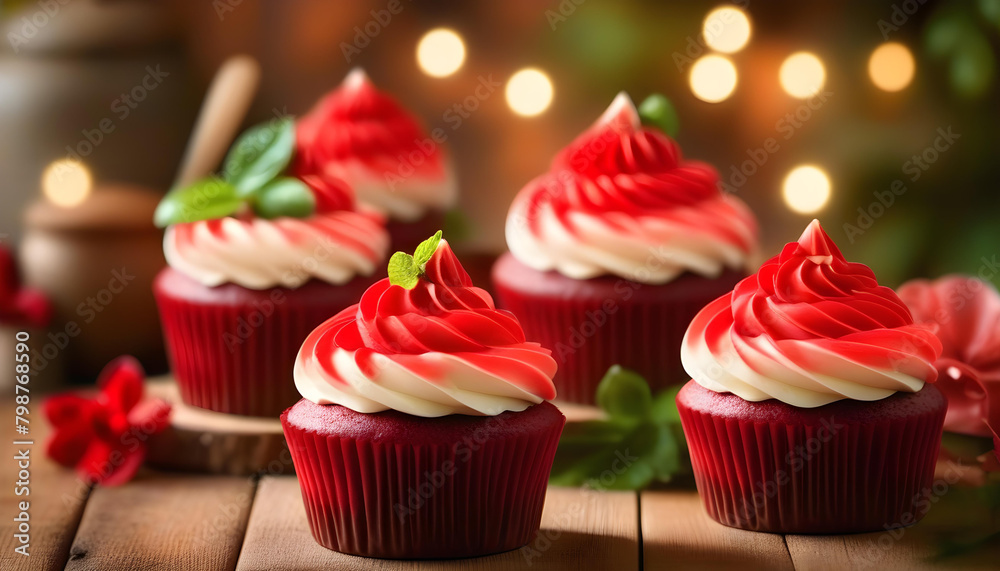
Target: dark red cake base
(846,467)
(232,349)
(592,324)
(397,486)
(406,236)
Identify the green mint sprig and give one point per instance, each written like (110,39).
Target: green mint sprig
(640,441)
(250,179)
(657,111)
(405,270)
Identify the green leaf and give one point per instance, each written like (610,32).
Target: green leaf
(206,199)
(402,271)
(657,111)
(260,154)
(425,250)
(664,407)
(284,197)
(624,395)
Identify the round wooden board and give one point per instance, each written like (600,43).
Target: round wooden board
(200,440)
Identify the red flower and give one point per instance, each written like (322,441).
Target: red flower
(19,306)
(966,314)
(104,437)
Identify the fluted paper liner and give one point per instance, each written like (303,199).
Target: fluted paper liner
(593,324)
(390,485)
(227,353)
(846,467)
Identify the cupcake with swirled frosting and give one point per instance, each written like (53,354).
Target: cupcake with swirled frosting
(615,249)
(256,259)
(810,408)
(424,431)
(364,137)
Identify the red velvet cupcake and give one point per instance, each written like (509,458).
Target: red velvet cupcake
(365,138)
(424,432)
(256,261)
(809,409)
(616,248)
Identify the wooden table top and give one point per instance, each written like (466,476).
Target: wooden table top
(165,520)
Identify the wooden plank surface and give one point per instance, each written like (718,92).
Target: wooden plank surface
(678,534)
(911,548)
(56,500)
(164,521)
(580,530)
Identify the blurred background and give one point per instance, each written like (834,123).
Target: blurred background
(878,118)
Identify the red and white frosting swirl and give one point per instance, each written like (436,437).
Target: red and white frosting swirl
(333,245)
(437,349)
(621,200)
(364,137)
(808,329)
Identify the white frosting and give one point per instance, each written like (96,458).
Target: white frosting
(429,384)
(762,371)
(260,254)
(651,250)
(399,197)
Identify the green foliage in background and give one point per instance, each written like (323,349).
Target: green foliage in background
(639,443)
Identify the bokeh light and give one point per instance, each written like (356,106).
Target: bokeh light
(440,52)
(802,75)
(529,92)
(713,78)
(66,182)
(891,66)
(806,189)
(726,29)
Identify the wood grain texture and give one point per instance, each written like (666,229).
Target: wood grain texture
(55,503)
(580,530)
(678,534)
(912,549)
(164,521)
(207,442)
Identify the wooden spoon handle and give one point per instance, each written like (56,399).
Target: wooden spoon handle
(222,112)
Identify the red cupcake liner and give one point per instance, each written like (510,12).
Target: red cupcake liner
(846,467)
(395,486)
(232,349)
(593,324)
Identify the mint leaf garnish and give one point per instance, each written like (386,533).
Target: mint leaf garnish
(405,270)
(206,199)
(426,249)
(260,154)
(657,111)
(284,197)
(640,442)
(402,271)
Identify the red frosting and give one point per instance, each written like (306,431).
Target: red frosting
(356,122)
(20,306)
(808,329)
(965,312)
(443,313)
(809,291)
(621,166)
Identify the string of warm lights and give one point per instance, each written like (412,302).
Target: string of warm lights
(806,188)
(713,78)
